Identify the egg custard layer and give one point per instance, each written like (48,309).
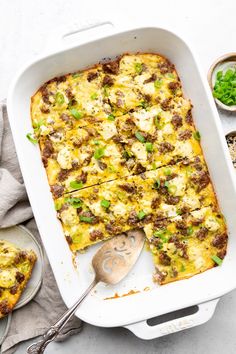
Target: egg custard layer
(121,151)
(16,266)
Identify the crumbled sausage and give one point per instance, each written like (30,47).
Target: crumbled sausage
(160,223)
(44,109)
(92,75)
(189,118)
(165,104)
(82,177)
(4,308)
(95,234)
(182,226)
(165,67)
(133,218)
(112,228)
(164,259)
(111,67)
(48,149)
(13,290)
(185,135)
(69,240)
(151,79)
(170,199)
(159,276)
(102,165)
(20,277)
(69,94)
(177,121)
(155,202)
(202,233)
(166,147)
(57,190)
(94,219)
(139,168)
(60,79)
(220,240)
(65,117)
(173,86)
(221,254)
(45,94)
(62,175)
(120,103)
(107,80)
(128,187)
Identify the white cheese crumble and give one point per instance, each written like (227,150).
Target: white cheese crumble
(64,158)
(139,150)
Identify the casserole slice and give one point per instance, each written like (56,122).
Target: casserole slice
(187,244)
(16,266)
(95,213)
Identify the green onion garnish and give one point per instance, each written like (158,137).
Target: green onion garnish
(111,117)
(225,87)
(94,96)
(157,84)
(172,189)
(149,147)
(105,203)
(76,184)
(143,104)
(140,137)
(157,184)
(141,215)
(58,205)
(138,67)
(157,122)
(162,234)
(76,114)
(87,219)
(197,135)
(189,230)
(75,75)
(59,98)
(217,260)
(166,184)
(31,137)
(167,171)
(75,202)
(182,269)
(99,153)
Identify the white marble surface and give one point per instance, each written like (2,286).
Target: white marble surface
(210,27)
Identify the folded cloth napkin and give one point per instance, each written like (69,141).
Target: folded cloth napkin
(33,319)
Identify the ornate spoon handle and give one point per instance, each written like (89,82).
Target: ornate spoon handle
(39,346)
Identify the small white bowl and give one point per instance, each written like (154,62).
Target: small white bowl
(223,63)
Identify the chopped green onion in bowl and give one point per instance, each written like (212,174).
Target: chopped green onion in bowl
(31,137)
(225,86)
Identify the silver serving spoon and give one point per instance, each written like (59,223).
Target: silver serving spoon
(111,263)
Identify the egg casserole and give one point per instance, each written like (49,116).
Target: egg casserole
(16,266)
(121,151)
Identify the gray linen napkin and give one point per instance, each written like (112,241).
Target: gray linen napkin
(33,319)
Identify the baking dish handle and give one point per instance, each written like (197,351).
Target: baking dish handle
(145,331)
(78,32)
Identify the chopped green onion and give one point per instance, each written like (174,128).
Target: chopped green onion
(149,147)
(224,89)
(59,98)
(111,117)
(140,137)
(106,90)
(75,75)
(170,75)
(197,135)
(31,137)
(157,84)
(99,153)
(143,104)
(167,171)
(217,260)
(141,215)
(76,114)
(189,230)
(87,219)
(94,96)
(157,122)
(182,269)
(154,166)
(76,184)
(157,184)
(96,142)
(138,67)
(162,234)
(166,184)
(105,203)
(75,202)
(172,189)
(127,154)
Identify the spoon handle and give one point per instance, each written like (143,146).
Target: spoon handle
(53,331)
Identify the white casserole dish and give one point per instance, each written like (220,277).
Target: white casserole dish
(129,311)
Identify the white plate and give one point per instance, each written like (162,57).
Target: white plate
(22,238)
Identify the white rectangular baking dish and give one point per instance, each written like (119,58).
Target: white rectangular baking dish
(129,311)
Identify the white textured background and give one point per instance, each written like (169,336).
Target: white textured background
(210,27)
